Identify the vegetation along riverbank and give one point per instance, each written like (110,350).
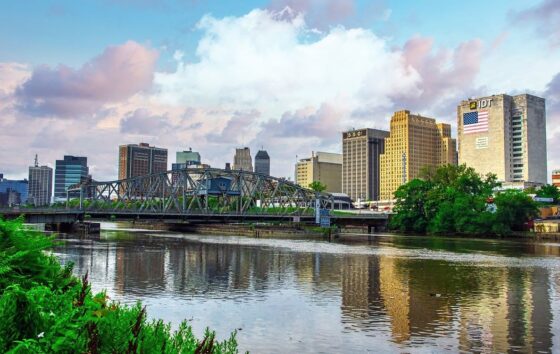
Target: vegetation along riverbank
(455,200)
(44,308)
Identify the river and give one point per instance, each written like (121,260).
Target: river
(386,294)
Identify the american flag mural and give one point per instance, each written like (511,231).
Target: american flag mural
(475,122)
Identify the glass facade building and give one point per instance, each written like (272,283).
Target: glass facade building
(14,191)
(262,162)
(68,172)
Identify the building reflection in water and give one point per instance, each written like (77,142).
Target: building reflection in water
(410,301)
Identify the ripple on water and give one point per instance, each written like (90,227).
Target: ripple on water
(306,246)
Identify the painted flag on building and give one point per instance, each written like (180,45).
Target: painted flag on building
(475,122)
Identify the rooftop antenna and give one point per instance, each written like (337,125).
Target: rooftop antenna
(36,161)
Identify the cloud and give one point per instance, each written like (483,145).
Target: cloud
(260,61)
(142,122)
(546,18)
(237,130)
(444,73)
(11,76)
(319,13)
(262,79)
(118,73)
(322,123)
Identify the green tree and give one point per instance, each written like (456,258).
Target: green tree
(454,200)
(411,212)
(549,191)
(317,186)
(514,209)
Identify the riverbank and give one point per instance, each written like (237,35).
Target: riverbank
(257,230)
(302,231)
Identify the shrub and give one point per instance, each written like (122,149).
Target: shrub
(44,308)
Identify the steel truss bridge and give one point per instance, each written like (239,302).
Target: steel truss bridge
(207,191)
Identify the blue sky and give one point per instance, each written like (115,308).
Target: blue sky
(71,32)
(86,76)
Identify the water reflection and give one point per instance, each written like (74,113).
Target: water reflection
(288,298)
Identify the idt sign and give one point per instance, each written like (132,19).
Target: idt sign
(483,103)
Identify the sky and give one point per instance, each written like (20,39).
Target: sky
(83,77)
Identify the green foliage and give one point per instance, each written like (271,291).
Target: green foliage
(317,186)
(549,191)
(45,309)
(453,200)
(513,210)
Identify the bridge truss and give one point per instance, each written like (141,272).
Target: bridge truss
(200,191)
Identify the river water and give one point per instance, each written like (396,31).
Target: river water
(386,294)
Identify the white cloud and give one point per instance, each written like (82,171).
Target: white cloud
(275,64)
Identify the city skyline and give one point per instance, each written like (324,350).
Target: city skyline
(169,84)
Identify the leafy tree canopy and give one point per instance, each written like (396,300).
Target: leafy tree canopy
(317,186)
(549,191)
(455,200)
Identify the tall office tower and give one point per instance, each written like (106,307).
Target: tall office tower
(68,172)
(40,184)
(262,162)
(242,160)
(324,167)
(142,159)
(504,135)
(360,167)
(16,190)
(414,142)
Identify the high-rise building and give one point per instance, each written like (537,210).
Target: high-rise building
(556,178)
(262,162)
(70,171)
(40,184)
(15,190)
(324,167)
(186,158)
(242,160)
(414,142)
(140,160)
(504,135)
(360,167)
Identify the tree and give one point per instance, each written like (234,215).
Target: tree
(317,186)
(514,209)
(410,208)
(454,200)
(549,191)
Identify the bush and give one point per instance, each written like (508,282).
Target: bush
(44,308)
